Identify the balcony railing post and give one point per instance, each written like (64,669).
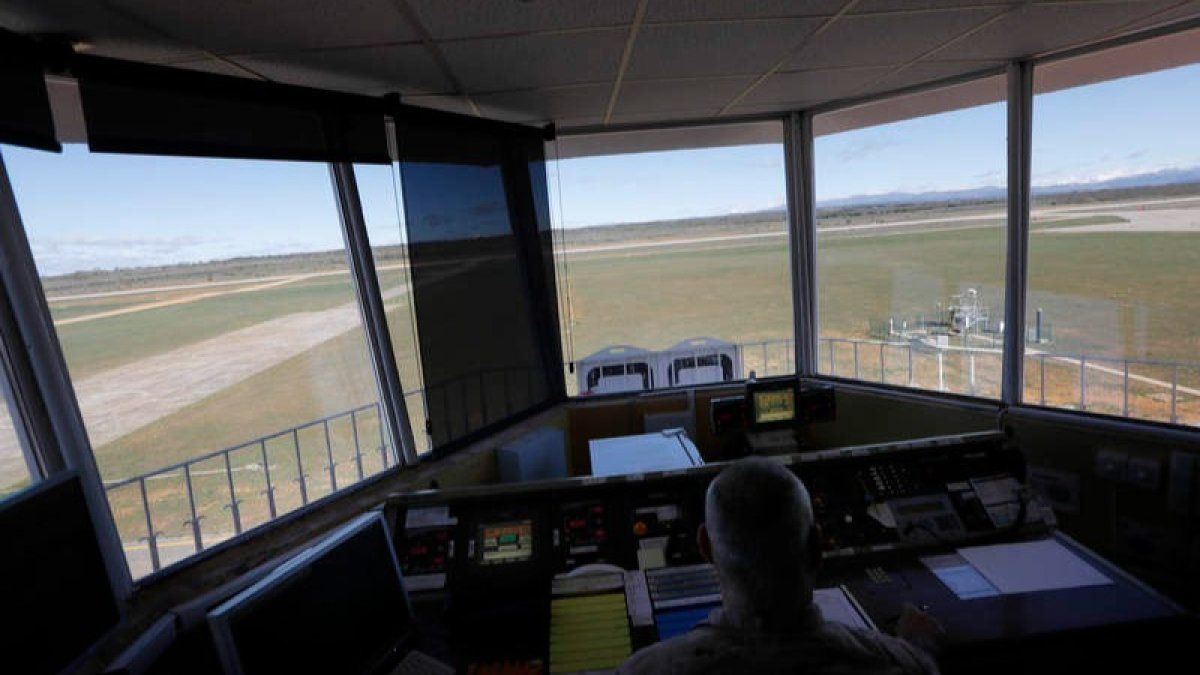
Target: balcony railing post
(195,520)
(151,536)
(329,455)
(1042,389)
(1174,393)
(855,343)
(1082,382)
(357,448)
(832,368)
(882,365)
(270,490)
(300,468)
(233,500)
(911,381)
(1125,396)
(766,366)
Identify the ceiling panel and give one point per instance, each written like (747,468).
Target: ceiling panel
(237,26)
(1188,10)
(371,70)
(471,18)
(1039,29)
(805,87)
(868,6)
(921,73)
(536,61)
(661,95)
(214,66)
(705,50)
(110,33)
(543,105)
(676,115)
(454,104)
(886,39)
(697,10)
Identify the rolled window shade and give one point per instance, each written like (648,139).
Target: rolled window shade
(25,117)
(140,109)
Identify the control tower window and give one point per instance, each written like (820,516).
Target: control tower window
(209,324)
(1113,316)
(672,245)
(911,198)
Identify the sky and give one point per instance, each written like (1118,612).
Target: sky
(96,211)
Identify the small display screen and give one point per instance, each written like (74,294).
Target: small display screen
(774,406)
(502,543)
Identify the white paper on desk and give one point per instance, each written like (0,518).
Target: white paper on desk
(836,605)
(1026,567)
(637,599)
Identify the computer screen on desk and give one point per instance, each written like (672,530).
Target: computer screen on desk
(772,403)
(340,607)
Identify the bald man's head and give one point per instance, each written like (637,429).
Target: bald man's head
(759,523)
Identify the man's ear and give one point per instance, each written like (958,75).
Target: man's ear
(703,543)
(816,547)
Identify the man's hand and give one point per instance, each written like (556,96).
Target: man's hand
(919,628)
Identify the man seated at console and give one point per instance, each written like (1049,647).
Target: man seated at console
(760,535)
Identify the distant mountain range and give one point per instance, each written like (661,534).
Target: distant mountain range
(1151,179)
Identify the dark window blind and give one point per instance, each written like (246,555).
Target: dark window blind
(154,110)
(25,117)
(482,288)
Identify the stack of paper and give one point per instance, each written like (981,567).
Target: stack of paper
(683,586)
(589,632)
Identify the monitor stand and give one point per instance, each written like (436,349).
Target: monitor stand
(776,442)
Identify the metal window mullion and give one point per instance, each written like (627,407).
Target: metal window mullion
(43,388)
(370,303)
(802,237)
(1020,150)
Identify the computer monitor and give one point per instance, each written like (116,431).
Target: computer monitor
(339,607)
(772,403)
(56,591)
(502,543)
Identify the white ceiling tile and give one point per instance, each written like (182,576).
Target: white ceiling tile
(884,39)
(458,18)
(706,50)
(536,61)
(700,10)
(370,70)
(240,27)
(794,88)
(546,104)
(664,95)
(1039,29)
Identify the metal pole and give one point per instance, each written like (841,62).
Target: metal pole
(329,454)
(151,537)
(1125,397)
(802,238)
(1174,393)
(267,475)
(370,302)
(300,468)
(855,343)
(832,370)
(882,366)
(766,367)
(971,371)
(233,500)
(1043,387)
(1082,382)
(1020,152)
(357,448)
(941,373)
(910,365)
(195,521)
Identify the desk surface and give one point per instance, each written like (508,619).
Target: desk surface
(659,451)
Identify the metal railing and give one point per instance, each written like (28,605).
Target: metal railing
(1101,384)
(361,427)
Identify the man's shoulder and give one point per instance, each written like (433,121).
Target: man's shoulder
(680,654)
(891,650)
